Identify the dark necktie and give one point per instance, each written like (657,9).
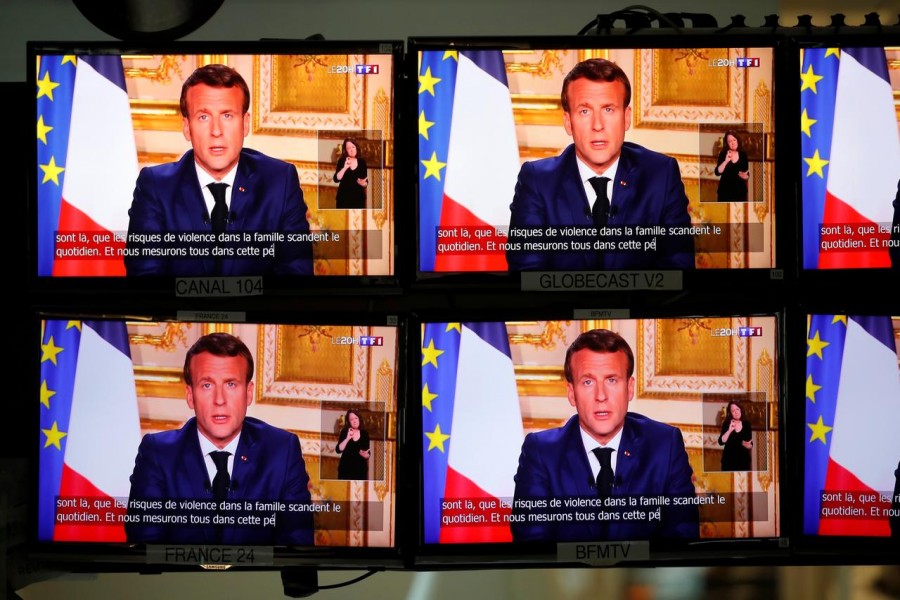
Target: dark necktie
(219,214)
(222,480)
(605,476)
(600,212)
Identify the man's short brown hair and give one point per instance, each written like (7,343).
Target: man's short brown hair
(596,69)
(599,340)
(217,76)
(218,344)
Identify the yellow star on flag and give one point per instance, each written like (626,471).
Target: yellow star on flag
(809,80)
(454,54)
(46,394)
(815,346)
(46,87)
(69,58)
(427,82)
(430,354)
(806,123)
(433,167)
(427,397)
(811,388)
(49,351)
(54,435)
(51,171)
(816,163)
(835,52)
(436,438)
(839,319)
(819,430)
(455,326)
(43,130)
(424,125)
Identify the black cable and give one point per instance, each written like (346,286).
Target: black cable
(350,582)
(640,9)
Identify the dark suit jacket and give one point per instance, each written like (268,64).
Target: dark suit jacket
(266,198)
(648,191)
(268,467)
(651,461)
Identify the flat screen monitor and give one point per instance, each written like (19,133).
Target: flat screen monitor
(513,411)
(851,470)
(681,133)
(129,138)
(128,451)
(849,167)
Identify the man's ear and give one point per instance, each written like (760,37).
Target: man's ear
(567,122)
(189,395)
(246,124)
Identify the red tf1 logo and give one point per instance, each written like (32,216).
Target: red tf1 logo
(371,340)
(367,69)
(742,62)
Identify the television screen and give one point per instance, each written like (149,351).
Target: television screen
(136,417)
(851,469)
(132,142)
(655,156)
(659,430)
(850,156)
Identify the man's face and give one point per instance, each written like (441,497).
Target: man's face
(597,120)
(219,395)
(600,391)
(216,126)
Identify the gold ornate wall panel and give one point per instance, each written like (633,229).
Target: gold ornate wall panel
(680,357)
(674,88)
(294,94)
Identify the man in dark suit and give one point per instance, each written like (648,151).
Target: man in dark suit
(603,458)
(227,201)
(600,181)
(224,471)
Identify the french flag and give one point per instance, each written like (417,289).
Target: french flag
(865,158)
(101,437)
(473,433)
(469,114)
(91,142)
(853,406)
